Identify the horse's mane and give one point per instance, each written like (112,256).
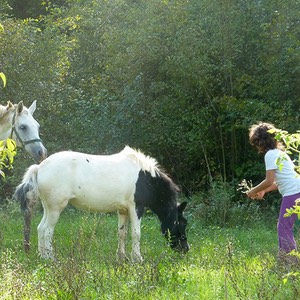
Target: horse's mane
(149,164)
(146,163)
(5,109)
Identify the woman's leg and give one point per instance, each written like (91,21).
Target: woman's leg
(285,225)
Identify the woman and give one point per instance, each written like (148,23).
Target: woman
(281,175)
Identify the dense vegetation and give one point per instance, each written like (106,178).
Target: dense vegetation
(181,80)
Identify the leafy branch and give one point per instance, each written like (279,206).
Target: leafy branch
(7,155)
(3,77)
(291,142)
(292,145)
(294,210)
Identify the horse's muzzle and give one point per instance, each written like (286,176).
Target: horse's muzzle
(42,154)
(184,248)
(181,245)
(38,152)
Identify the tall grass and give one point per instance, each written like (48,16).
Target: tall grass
(223,263)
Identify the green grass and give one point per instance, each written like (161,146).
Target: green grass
(223,263)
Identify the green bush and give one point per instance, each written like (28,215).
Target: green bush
(218,207)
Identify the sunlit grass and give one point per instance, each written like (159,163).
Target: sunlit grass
(223,263)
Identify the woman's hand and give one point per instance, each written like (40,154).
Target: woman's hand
(267,185)
(254,195)
(260,195)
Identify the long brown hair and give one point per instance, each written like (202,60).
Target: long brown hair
(262,136)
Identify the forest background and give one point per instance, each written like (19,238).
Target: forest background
(180,80)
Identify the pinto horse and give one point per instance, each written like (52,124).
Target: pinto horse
(126,182)
(17,123)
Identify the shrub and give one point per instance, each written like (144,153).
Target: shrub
(219,207)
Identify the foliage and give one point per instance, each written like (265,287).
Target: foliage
(3,77)
(24,9)
(291,142)
(182,80)
(7,147)
(7,154)
(294,210)
(221,206)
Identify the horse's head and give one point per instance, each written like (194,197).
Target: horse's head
(25,131)
(177,234)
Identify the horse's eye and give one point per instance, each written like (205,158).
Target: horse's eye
(23,127)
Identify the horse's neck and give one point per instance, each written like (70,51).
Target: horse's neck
(5,127)
(167,218)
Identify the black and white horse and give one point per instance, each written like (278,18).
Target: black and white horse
(17,123)
(126,182)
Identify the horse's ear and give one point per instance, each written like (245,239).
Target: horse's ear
(20,107)
(9,105)
(182,206)
(32,107)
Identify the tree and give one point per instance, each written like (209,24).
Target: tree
(182,80)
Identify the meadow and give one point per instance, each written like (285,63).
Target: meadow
(237,262)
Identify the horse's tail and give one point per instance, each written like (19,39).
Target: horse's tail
(27,193)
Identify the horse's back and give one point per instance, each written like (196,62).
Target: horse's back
(90,182)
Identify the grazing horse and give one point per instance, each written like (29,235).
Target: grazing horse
(17,123)
(126,182)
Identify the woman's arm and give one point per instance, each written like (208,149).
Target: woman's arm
(265,186)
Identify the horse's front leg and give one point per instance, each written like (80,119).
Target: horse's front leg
(122,233)
(136,236)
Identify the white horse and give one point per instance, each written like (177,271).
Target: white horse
(125,182)
(17,123)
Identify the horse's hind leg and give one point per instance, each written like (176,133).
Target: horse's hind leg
(41,235)
(45,232)
(122,233)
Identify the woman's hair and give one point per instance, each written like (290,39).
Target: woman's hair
(261,137)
